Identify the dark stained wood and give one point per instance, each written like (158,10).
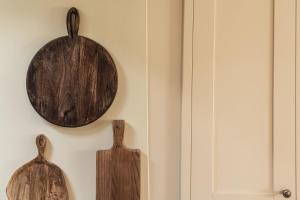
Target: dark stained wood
(72,80)
(73,22)
(118,170)
(38,179)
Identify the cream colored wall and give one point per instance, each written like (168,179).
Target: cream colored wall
(165,24)
(144,38)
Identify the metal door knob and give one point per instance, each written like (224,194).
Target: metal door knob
(286,193)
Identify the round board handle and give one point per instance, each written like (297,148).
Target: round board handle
(118,128)
(73,22)
(41,142)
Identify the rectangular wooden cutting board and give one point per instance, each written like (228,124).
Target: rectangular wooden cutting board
(118,169)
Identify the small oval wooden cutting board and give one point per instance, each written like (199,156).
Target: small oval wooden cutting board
(38,179)
(118,169)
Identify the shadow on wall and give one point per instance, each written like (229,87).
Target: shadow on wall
(70,189)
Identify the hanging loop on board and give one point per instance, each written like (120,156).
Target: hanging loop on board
(73,22)
(118,128)
(41,143)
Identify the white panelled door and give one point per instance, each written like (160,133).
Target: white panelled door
(238,130)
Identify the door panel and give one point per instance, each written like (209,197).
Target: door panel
(239,100)
(243,82)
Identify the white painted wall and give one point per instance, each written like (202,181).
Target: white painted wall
(144,38)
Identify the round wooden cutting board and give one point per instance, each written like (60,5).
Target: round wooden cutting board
(38,179)
(72,80)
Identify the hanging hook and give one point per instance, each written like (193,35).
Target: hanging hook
(73,22)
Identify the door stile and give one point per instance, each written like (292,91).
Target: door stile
(284,104)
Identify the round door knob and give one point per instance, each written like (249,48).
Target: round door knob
(286,193)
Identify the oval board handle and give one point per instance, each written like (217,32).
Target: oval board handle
(41,142)
(73,22)
(118,128)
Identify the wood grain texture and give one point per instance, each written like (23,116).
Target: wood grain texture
(38,179)
(118,170)
(72,80)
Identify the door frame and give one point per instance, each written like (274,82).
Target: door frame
(186,113)
(297,60)
(291,28)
